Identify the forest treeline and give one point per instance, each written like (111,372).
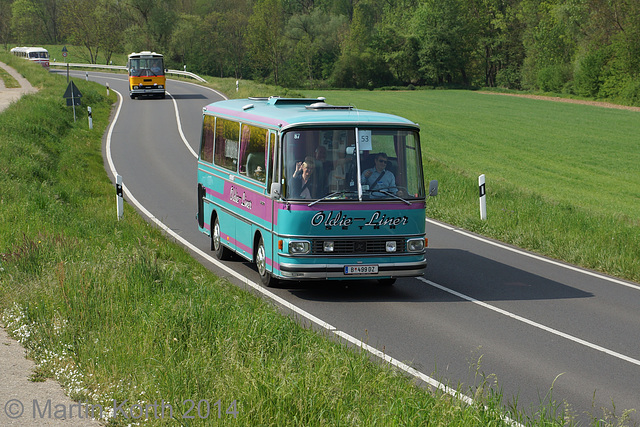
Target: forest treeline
(588,48)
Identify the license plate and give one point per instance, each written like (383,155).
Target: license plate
(360,269)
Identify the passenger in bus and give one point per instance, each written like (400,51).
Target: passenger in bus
(338,174)
(378,177)
(303,185)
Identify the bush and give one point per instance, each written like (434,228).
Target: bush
(553,78)
(630,93)
(508,78)
(589,73)
(361,70)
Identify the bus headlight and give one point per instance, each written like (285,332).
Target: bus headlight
(390,246)
(415,245)
(299,247)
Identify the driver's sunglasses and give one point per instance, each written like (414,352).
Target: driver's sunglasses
(382,161)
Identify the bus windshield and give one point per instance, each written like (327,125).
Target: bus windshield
(145,67)
(347,163)
(42,54)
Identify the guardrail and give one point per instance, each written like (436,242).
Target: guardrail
(122,67)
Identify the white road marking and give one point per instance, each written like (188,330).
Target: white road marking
(532,323)
(534,256)
(184,139)
(175,107)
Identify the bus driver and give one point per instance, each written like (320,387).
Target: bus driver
(378,177)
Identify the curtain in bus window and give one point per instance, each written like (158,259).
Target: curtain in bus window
(272,175)
(253,146)
(208,132)
(226,144)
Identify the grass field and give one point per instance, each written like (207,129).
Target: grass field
(562,179)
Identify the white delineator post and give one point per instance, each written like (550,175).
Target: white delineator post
(119,200)
(483,198)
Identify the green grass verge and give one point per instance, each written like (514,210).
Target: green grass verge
(8,80)
(114,311)
(562,179)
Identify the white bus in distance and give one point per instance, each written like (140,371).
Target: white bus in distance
(35,54)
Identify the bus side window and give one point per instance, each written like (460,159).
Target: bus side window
(253,147)
(208,132)
(226,144)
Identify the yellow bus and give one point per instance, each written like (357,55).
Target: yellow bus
(146,74)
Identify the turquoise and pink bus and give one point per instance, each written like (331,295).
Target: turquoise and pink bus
(309,191)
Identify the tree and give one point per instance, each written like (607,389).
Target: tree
(36,21)
(446,41)
(5,22)
(314,40)
(154,22)
(97,25)
(111,20)
(396,43)
(233,29)
(265,37)
(549,47)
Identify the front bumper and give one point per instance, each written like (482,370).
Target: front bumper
(337,271)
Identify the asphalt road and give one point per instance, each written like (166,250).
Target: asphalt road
(483,310)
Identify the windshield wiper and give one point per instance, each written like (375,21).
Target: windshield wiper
(335,193)
(388,193)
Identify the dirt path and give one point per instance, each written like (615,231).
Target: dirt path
(7,96)
(566,100)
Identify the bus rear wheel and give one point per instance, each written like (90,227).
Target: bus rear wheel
(221,252)
(261,262)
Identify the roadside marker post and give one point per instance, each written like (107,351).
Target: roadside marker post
(119,200)
(483,197)
(90,118)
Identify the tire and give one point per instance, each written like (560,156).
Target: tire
(221,252)
(261,262)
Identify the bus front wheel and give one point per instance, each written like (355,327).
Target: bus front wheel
(221,252)
(261,262)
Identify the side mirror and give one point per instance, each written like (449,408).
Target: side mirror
(433,188)
(275,190)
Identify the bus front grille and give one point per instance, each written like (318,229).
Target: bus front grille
(354,247)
